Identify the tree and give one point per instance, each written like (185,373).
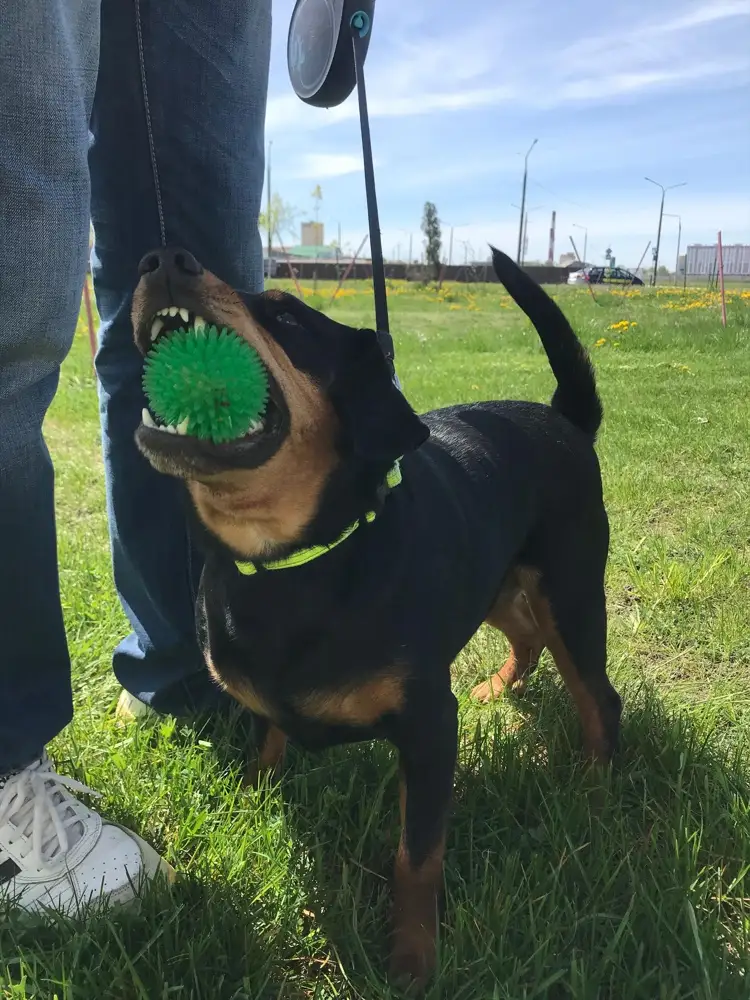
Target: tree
(317,197)
(432,236)
(283,217)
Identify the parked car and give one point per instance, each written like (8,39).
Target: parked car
(603,276)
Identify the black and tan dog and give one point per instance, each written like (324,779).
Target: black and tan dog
(354,548)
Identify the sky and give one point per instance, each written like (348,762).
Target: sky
(458,92)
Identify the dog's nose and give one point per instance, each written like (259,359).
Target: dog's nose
(172,262)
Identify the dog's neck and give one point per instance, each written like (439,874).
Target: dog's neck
(354,492)
(300,556)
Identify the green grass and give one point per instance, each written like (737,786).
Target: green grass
(560,883)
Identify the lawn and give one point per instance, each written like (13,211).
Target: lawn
(560,882)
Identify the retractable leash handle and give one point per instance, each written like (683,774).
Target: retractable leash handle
(326,52)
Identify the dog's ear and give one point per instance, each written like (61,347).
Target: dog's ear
(375,416)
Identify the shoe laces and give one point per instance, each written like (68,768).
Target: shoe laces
(45,821)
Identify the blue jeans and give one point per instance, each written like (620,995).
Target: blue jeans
(147,116)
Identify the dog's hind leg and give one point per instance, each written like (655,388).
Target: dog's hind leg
(512,615)
(570,608)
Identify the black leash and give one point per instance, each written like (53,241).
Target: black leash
(324,68)
(360,27)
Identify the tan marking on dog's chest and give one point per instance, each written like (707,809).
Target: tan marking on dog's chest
(357,705)
(360,705)
(241,690)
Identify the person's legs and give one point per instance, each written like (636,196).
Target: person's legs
(177,159)
(48,66)
(53,850)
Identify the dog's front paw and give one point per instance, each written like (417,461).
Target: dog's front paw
(412,962)
(270,760)
(409,973)
(256,774)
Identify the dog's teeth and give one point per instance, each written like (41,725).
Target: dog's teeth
(182,427)
(161,427)
(148,420)
(199,324)
(184,315)
(173,310)
(255,426)
(163,312)
(156,327)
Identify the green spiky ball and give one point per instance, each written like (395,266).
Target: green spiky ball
(212,378)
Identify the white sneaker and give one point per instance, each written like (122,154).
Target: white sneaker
(131,709)
(57,854)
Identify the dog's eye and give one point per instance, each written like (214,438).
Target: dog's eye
(287,318)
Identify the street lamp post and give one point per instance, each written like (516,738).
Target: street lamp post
(670,215)
(585,239)
(523,202)
(410,234)
(450,242)
(661,216)
(525,231)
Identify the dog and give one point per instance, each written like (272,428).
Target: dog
(353,548)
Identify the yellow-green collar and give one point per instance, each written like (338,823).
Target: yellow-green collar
(302,556)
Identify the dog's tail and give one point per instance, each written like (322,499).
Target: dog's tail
(575,396)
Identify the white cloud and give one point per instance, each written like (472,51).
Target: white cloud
(454,100)
(627,93)
(320,165)
(614,84)
(284,113)
(715,11)
(593,70)
(411,74)
(651,41)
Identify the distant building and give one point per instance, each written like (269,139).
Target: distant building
(567,258)
(702,258)
(313,234)
(314,252)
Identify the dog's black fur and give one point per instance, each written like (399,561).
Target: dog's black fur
(499,518)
